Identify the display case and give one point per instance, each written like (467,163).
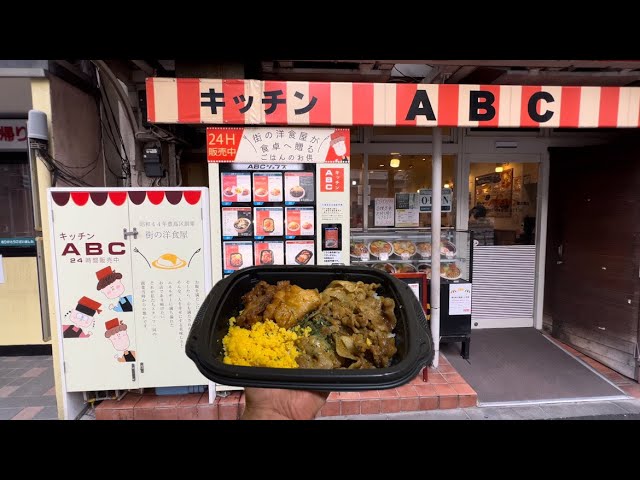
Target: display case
(408,251)
(402,251)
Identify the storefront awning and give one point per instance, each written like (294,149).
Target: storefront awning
(256,102)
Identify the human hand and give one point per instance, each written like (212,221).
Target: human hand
(276,404)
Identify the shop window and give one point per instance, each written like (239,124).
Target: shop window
(16,216)
(357,191)
(391,174)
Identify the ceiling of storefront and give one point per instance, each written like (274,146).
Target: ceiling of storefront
(502,72)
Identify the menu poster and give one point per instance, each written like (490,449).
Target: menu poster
(236,187)
(300,252)
(237,222)
(299,221)
(460,299)
(268,221)
(269,253)
(267,187)
(299,187)
(237,255)
(384,212)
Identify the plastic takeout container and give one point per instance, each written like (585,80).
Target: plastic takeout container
(413,338)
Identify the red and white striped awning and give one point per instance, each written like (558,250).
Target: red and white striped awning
(188,100)
(119,197)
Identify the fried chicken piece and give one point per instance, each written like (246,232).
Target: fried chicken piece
(255,303)
(290,304)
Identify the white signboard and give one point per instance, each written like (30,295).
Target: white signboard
(425,200)
(131,268)
(384,212)
(13,135)
(460,299)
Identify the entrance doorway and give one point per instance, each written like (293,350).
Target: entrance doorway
(504,208)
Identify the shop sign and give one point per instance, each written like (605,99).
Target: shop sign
(331,180)
(460,299)
(18,242)
(384,212)
(425,200)
(278,145)
(255,102)
(13,135)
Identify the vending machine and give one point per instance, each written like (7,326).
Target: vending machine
(279,196)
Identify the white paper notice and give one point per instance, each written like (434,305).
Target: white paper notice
(408,217)
(460,299)
(331,256)
(1,270)
(384,211)
(416,289)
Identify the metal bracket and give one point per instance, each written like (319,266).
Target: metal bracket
(134,232)
(141,367)
(133,372)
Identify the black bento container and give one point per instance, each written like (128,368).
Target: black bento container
(413,338)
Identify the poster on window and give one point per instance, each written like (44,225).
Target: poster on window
(494,191)
(384,211)
(407,210)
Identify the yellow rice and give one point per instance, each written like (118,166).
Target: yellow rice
(264,345)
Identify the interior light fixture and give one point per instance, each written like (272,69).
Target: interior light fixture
(499,169)
(446,185)
(353,182)
(394,163)
(382,164)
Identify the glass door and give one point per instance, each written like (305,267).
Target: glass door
(502,213)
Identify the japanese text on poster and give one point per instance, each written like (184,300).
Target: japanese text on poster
(384,212)
(460,299)
(278,145)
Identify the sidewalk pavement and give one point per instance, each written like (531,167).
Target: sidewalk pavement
(618,410)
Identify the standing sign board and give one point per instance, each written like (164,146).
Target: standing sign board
(131,270)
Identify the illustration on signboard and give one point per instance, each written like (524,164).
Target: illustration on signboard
(168,261)
(110,284)
(339,145)
(81,318)
(117,333)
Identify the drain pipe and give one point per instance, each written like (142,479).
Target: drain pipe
(38,133)
(436,225)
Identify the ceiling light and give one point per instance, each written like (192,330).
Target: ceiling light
(394,163)
(446,185)
(499,169)
(382,164)
(353,182)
